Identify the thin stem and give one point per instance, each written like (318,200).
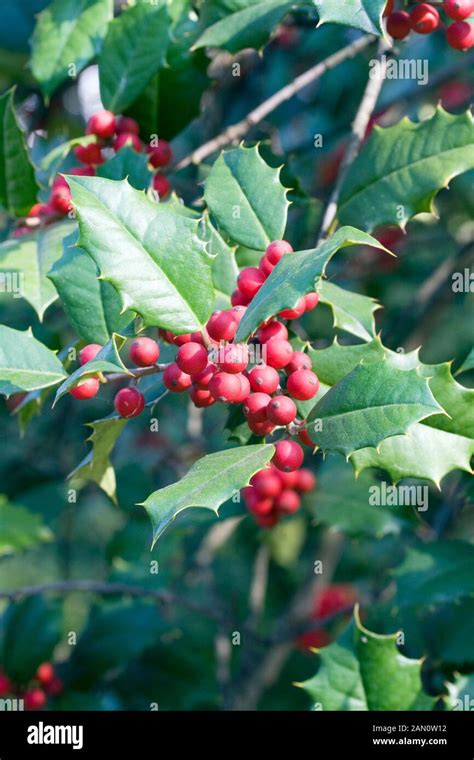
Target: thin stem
(137,372)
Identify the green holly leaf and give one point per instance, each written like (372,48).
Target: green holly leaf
(455,399)
(210,482)
(96,466)
(18,188)
(134,50)
(68,35)
(401,168)
(435,573)
(130,165)
(25,363)
(246,198)
(224,266)
(467,364)
(352,312)
(363,670)
(20,529)
(247,28)
(295,275)
(365,15)
(32,629)
(149,252)
(423,452)
(92,305)
(373,402)
(30,257)
(332,364)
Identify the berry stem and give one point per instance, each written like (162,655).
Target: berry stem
(137,372)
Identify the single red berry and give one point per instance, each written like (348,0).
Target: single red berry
(288,502)
(222,326)
(256,502)
(299,360)
(5,685)
(35,699)
(303,436)
(45,673)
(303,384)
(60,200)
(244,389)
(311,301)
(237,312)
(288,479)
(267,521)
(175,379)
(255,407)
(129,402)
(458,9)
(55,687)
(161,154)
(261,428)
(306,481)
(102,124)
(272,330)
(250,280)
(59,183)
(226,387)
(86,389)
(295,312)
(127,138)
(264,379)
(276,250)
(202,379)
(267,484)
(88,353)
(197,337)
(239,299)
(288,456)
(127,125)
(83,171)
(201,398)
(424,18)
(460,35)
(399,24)
(144,351)
(278,353)
(89,154)
(180,340)
(233,358)
(281,410)
(162,185)
(266,266)
(192,358)
(38,209)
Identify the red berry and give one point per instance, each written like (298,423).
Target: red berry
(267,521)
(311,301)
(458,9)
(55,687)
(255,407)
(89,154)
(295,312)
(306,480)
(162,185)
(276,250)
(239,299)
(88,353)
(201,398)
(59,183)
(244,389)
(160,155)
(264,379)
(261,428)
(35,699)
(82,171)
(226,387)
(288,479)
(196,337)
(267,484)
(460,35)
(192,358)
(180,340)
(45,673)
(278,353)
(303,436)
(222,326)
(127,138)
(272,330)
(281,410)
(303,384)
(127,125)
(237,312)
(175,379)
(202,379)
(288,456)
(60,200)
(424,18)
(102,124)
(399,24)
(233,358)
(5,685)
(86,389)
(256,503)
(299,360)
(266,266)
(250,280)
(288,502)
(129,402)
(38,209)
(144,352)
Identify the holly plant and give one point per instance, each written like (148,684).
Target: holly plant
(235,245)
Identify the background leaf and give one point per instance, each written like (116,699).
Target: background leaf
(365,15)
(18,186)
(25,363)
(352,312)
(32,631)
(20,529)
(96,466)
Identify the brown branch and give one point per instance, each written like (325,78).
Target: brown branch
(237,131)
(137,372)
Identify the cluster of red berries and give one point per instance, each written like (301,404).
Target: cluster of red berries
(275,493)
(333,599)
(44,684)
(424,18)
(111,135)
